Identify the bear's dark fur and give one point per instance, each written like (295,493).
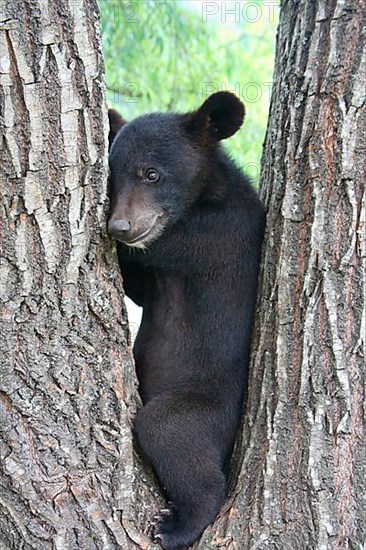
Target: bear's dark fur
(189,228)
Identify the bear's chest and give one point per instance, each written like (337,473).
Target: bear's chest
(170,341)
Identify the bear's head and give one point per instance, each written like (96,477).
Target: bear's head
(158,165)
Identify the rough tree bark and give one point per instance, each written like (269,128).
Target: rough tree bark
(303,479)
(67,389)
(70,478)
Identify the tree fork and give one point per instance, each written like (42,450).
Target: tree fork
(69,476)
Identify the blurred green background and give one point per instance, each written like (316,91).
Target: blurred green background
(171,54)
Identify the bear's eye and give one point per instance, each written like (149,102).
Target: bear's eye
(152,175)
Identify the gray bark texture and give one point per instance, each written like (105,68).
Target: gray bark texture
(302,483)
(70,478)
(67,389)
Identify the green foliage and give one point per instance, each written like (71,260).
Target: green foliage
(169,55)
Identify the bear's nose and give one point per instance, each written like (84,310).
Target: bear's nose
(119,228)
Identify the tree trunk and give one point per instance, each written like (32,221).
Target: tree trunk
(302,483)
(69,478)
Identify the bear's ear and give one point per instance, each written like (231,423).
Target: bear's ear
(115,123)
(219,117)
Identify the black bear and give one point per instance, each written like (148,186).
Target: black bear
(189,228)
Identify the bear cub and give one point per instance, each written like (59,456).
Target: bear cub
(189,228)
